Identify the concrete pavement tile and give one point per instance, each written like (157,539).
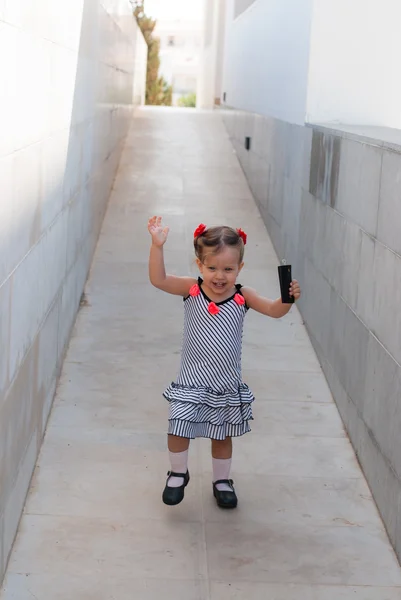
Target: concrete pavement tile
(66,445)
(45,586)
(287,385)
(284,418)
(282,358)
(278,553)
(257,591)
(102,412)
(78,547)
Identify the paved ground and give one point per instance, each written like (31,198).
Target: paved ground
(94,527)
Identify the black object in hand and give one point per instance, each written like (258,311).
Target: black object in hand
(285,277)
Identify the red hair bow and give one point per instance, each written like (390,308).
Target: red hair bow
(242,234)
(199,230)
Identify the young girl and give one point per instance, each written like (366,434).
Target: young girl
(209,398)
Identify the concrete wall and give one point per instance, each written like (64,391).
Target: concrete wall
(354,55)
(67,79)
(266,58)
(332,204)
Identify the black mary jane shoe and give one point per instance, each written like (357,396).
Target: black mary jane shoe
(174,495)
(225,499)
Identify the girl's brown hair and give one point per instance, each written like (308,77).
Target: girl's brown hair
(216,238)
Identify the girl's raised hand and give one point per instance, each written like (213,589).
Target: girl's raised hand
(157,231)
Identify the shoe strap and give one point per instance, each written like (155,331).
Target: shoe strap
(173,474)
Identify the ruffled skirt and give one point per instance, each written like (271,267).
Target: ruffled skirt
(202,412)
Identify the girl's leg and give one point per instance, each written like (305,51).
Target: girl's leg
(221,458)
(177,444)
(178,452)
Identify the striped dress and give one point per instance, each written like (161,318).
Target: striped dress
(208,398)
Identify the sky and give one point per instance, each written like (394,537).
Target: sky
(174,9)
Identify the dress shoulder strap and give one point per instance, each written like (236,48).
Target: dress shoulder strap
(238,287)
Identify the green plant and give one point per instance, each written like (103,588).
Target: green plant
(188,101)
(158,91)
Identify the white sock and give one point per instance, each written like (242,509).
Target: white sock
(179,464)
(221,470)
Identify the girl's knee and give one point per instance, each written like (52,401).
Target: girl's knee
(177,443)
(222,448)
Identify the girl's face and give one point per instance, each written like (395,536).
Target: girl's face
(220,271)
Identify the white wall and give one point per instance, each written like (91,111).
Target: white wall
(220,43)
(355,63)
(319,61)
(211,63)
(140,67)
(267,57)
(66,81)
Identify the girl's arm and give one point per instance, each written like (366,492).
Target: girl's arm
(157,272)
(271,308)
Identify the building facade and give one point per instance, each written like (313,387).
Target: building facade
(180,49)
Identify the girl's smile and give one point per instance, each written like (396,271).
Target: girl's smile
(220,272)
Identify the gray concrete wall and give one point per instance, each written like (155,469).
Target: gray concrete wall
(65,108)
(331,202)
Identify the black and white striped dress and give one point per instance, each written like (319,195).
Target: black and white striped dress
(209,399)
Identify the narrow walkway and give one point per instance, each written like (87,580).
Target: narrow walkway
(94,527)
